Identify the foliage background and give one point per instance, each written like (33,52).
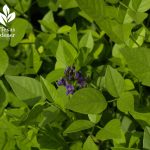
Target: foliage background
(108,40)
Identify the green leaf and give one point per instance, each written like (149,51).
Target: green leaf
(139,63)
(142,118)
(46,40)
(34,115)
(67,4)
(17,113)
(79,125)
(53,114)
(20,25)
(123,12)
(87,101)
(76,146)
(87,17)
(95,118)
(89,144)
(129,84)
(112,130)
(11,2)
(117,54)
(49,138)
(141,5)
(3,62)
(87,41)
(23,6)
(83,57)
(33,61)
(29,141)
(3,97)
(15,101)
(66,53)
(125,103)
(5,41)
(55,75)
(43,3)
(119,33)
(123,148)
(146,138)
(48,23)
(138,17)
(61,98)
(36,60)
(138,38)
(64,29)
(112,1)
(114,82)
(10,131)
(74,36)
(124,29)
(98,51)
(135,139)
(93,8)
(54,5)
(97,10)
(15,69)
(26,89)
(49,89)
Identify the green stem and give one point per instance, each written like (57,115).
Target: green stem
(112,101)
(99,127)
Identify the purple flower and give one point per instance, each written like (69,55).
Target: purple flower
(70,72)
(70,77)
(81,82)
(72,80)
(68,69)
(80,79)
(62,82)
(70,89)
(77,75)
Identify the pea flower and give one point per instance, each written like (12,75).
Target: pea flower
(70,89)
(72,80)
(61,82)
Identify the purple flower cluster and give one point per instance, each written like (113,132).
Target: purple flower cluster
(72,80)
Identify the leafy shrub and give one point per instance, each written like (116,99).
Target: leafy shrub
(99,50)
